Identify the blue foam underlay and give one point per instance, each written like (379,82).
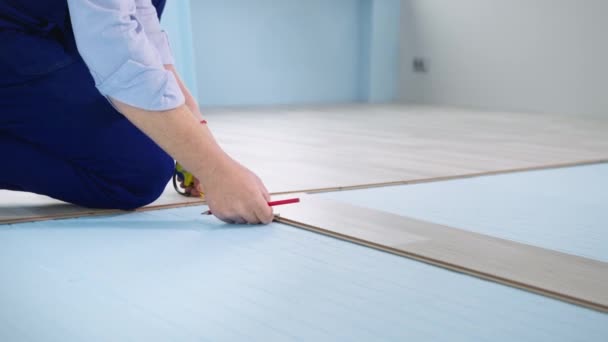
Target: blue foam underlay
(174,275)
(561,209)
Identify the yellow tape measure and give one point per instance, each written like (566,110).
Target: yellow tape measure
(185,177)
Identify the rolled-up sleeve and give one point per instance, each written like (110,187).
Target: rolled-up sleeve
(124,62)
(148,16)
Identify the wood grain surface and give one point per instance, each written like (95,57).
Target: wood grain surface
(329,148)
(562,276)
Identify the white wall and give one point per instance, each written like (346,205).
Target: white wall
(532,55)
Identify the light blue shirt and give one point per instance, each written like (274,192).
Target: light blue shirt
(124,47)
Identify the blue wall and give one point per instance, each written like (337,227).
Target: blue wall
(176,21)
(259,52)
(383,50)
(265,52)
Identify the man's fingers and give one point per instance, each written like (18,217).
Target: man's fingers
(266,217)
(228,218)
(252,219)
(241,220)
(266,195)
(262,215)
(198,186)
(224,219)
(232,220)
(262,187)
(264,212)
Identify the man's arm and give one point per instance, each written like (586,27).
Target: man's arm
(233,193)
(129,71)
(148,16)
(190,101)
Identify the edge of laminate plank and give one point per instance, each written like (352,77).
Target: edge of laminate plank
(187,203)
(99,212)
(454,177)
(569,278)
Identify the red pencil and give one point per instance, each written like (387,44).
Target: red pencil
(271,204)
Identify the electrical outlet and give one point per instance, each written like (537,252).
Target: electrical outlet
(420,65)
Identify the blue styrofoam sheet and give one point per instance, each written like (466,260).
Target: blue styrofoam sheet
(561,209)
(174,275)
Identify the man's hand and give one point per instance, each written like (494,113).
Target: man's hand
(233,192)
(236,195)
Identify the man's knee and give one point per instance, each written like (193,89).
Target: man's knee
(148,181)
(137,183)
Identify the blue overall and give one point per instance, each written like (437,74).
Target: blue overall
(58,135)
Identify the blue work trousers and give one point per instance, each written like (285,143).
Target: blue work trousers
(61,138)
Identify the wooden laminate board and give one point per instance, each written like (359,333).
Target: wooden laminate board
(303,149)
(570,278)
(19,207)
(312,149)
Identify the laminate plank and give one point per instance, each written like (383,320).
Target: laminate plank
(566,277)
(19,207)
(325,148)
(559,209)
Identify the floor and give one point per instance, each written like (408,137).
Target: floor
(338,147)
(330,148)
(177,275)
(174,274)
(561,209)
